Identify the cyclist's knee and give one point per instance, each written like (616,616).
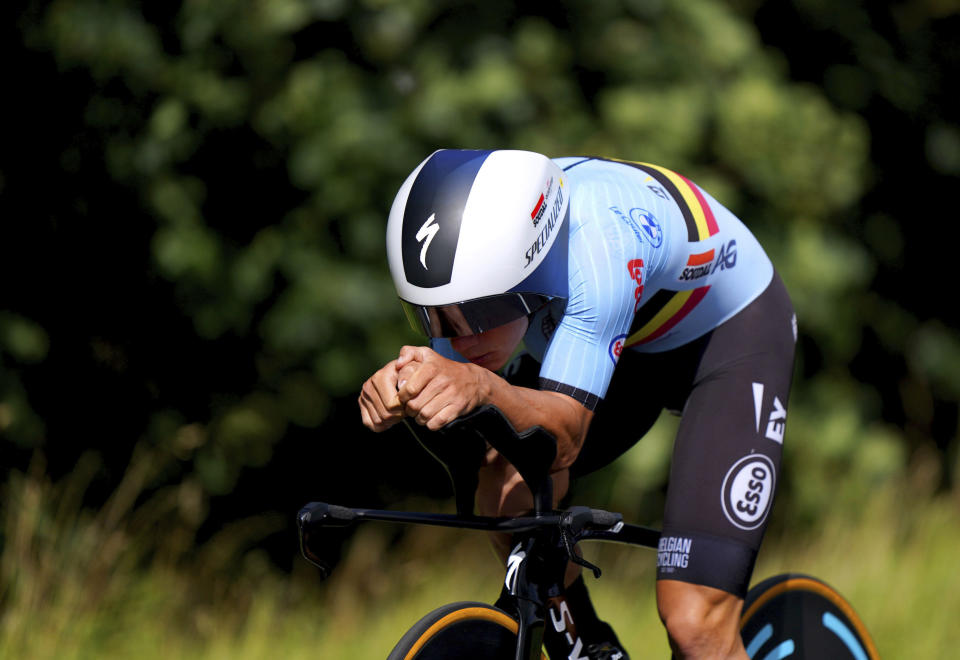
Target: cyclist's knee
(701,622)
(501,491)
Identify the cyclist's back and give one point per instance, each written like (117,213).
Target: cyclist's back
(654,257)
(688,241)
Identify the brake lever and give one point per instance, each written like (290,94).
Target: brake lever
(574,557)
(315,516)
(572,522)
(577,518)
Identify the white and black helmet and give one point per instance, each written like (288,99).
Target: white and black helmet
(477,239)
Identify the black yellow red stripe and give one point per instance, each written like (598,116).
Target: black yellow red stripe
(666,309)
(708,218)
(672,309)
(697,214)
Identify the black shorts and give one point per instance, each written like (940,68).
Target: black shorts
(732,386)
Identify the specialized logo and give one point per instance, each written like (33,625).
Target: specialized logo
(427,231)
(635,269)
(703,264)
(643,224)
(616,347)
(563,623)
(537,213)
(673,552)
(747,491)
(547,230)
(513,568)
(438,195)
(777,421)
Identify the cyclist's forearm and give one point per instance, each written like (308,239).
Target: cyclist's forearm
(438,390)
(561,415)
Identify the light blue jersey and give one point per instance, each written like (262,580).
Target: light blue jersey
(654,263)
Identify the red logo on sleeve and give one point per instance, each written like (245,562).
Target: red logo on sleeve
(635,268)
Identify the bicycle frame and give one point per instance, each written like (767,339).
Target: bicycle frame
(545,539)
(783,611)
(536,566)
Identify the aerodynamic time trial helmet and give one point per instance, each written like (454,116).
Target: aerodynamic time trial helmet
(477,239)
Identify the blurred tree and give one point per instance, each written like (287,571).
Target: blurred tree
(195,195)
(892,63)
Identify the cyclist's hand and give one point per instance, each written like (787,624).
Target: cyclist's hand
(380,406)
(403,375)
(439,390)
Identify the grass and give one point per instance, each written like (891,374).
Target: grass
(77,584)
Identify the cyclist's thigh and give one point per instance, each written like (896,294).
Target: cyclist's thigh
(727,453)
(501,491)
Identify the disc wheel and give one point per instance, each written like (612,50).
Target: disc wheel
(797,616)
(461,631)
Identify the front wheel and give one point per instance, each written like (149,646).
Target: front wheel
(461,631)
(796,616)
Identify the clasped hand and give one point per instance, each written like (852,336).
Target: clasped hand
(423,385)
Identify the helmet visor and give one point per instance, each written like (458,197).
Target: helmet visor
(472,317)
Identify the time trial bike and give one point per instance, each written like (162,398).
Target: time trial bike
(786,616)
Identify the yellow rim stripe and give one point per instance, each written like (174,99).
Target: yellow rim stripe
(483,613)
(818,588)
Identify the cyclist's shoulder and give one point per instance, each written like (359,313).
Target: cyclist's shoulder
(585,168)
(585,171)
(599,189)
(597,185)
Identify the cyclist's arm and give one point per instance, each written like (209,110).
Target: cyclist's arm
(440,390)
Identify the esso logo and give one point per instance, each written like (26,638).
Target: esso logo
(748,491)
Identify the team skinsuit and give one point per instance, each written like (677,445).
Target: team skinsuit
(671,304)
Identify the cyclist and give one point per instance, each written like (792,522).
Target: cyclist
(632,291)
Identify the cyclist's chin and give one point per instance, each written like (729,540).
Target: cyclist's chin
(491,361)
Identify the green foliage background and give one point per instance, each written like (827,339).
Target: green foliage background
(192,205)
